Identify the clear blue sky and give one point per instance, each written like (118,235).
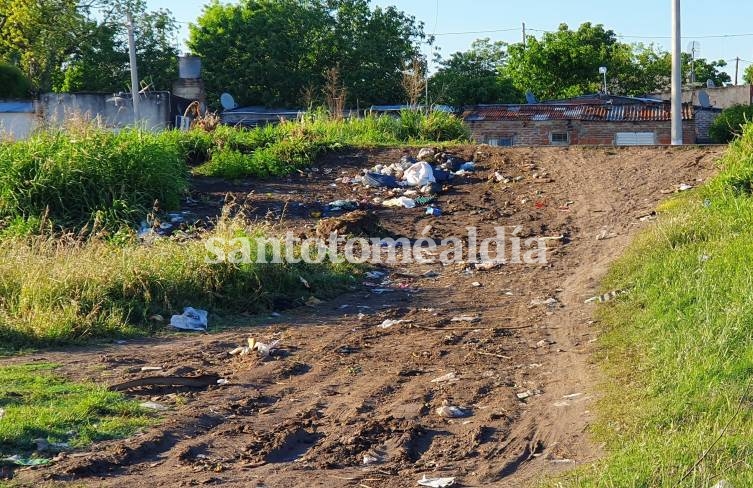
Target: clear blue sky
(647,20)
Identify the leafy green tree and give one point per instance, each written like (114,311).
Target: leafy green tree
(102,64)
(566,62)
(268,52)
(13,83)
(473,77)
(704,70)
(81,44)
(748,75)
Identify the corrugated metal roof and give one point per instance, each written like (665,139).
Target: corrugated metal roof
(580,111)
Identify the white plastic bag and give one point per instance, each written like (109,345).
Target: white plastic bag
(191,319)
(400,202)
(419,174)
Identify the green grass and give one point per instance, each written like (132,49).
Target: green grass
(40,405)
(53,292)
(281,149)
(678,349)
(87,177)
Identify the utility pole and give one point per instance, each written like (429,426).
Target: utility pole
(524,35)
(134,68)
(737,68)
(676,74)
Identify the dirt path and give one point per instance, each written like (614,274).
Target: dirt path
(345,389)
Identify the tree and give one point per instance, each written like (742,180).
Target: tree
(748,75)
(102,64)
(473,77)
(704,70)
(730,123)
(268,52)
(13,83)
(81,44)
(565,63)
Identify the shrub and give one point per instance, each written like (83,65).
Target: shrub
(13,83)
(89,177)
(729,124)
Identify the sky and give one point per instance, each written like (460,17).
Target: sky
(723,28)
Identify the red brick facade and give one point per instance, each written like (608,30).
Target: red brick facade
(583,132)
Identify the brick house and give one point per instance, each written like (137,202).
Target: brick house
(589,120)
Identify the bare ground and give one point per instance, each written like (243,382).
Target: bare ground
(343,388)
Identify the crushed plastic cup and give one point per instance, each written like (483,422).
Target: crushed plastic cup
(191,319)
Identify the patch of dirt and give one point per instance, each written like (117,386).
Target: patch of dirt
(349,404)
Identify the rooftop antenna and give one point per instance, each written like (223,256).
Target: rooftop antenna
(603,72)
(694,48)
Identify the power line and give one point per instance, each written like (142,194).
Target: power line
(477,32)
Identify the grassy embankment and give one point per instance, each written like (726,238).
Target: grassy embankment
(71,268)
(678,349)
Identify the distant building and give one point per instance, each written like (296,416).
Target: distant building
(719,97)
(587,120)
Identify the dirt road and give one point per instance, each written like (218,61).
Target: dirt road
(345,391)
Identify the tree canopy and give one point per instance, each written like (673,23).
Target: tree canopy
(81,44)
(473,77)
(748,75)
(269,52)
(13,83)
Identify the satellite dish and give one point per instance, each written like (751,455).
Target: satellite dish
(227,101)
(703,99)
(710,83)
(531,98)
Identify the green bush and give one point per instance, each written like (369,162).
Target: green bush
(89,177)
(730,122)
(13,83)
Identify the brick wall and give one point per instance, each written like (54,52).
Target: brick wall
(534,133)
(703,120)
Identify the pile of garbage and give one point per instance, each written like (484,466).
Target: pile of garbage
(411,182)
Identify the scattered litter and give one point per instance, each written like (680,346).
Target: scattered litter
(537,302)
(723,484)
(469,166)
(44,445)
(449,377)
(436,482)
(476,284)
(606,297)
(466,318)
(434,211)
(605,234)
(377,180)
(379,291)
(165,226)
(419,174)
(400,202)
(426,154)
(342,205)
(156,318)
(425,200)
(452,412)
(266,350)
(21,461)
(151,368)
(361,316)
(313,301)
(572,396)
(544,343)
(523,395)
(304,282)
(191,319)
(223,382)
(684,187)
(489,265)
(375,275)
(648,218)
(368,459)
(153,406)
(389,323)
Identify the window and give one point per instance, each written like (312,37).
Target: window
(500,141)
(559,138)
